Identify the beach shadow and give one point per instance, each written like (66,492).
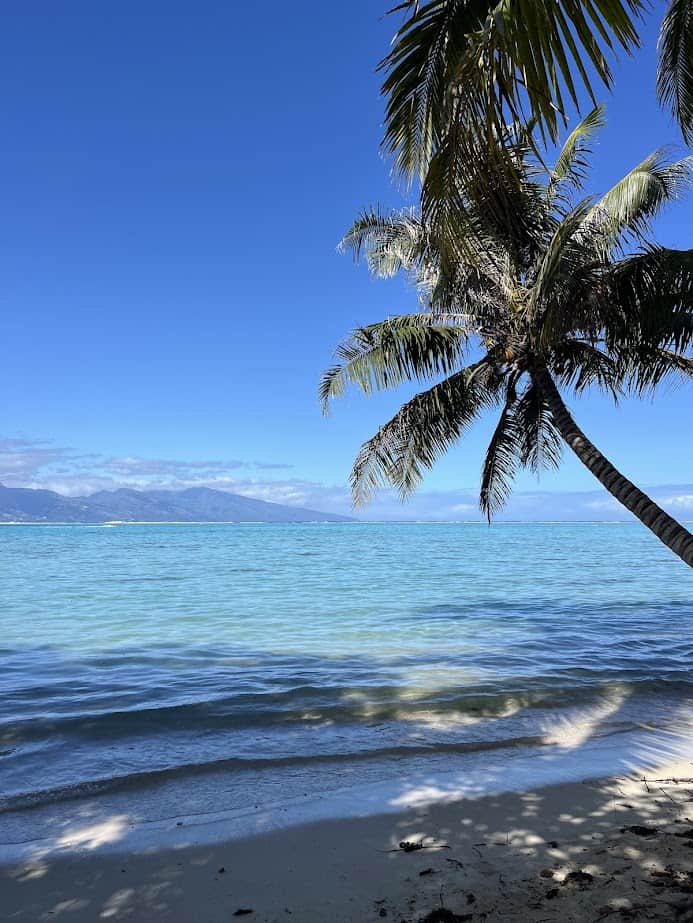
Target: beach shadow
(578,852)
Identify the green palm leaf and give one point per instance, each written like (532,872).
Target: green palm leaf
(651,294)
(675,68)
(541,442)
(421,431)
(579,365)
(627,210)
(502,458)
(399,349)
(483,64)
(390,242)
(565,256)
(653,366)
(572,162)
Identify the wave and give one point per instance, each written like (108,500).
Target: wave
(131,780)
(337,705)
(139,748)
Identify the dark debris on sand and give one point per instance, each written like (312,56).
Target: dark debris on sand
(443,915)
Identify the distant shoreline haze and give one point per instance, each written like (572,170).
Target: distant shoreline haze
(201,505)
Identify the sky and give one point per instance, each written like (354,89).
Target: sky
(175,178)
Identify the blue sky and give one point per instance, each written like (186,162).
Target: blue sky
(175,178)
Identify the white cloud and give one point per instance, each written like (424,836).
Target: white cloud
(682,500)
(39,463)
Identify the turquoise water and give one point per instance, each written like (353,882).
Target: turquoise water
(138,652)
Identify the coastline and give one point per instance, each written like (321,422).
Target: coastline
(562,852)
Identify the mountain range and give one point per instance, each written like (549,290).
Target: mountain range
(197,504)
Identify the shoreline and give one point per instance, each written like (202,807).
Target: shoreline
(559,852)
(222,802)
(228,801)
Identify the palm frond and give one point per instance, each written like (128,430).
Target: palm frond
(566,253)
(418,70)
(541,443)
(572,162)
(651,296)
(421,431)
(627,210)
(390,241)
(675,67)
(482,197)
(579,365)
(502,458)
(399,349)
(652,367)
(484,64)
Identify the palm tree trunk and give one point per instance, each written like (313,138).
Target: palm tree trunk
(667,529)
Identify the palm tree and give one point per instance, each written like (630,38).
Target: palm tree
(460,70)
(571,294)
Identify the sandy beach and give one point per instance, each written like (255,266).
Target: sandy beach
(618,848)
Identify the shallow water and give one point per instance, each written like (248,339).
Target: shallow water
(148,652)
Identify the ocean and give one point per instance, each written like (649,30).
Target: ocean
(255,675)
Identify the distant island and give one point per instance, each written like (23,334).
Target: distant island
(197,504)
